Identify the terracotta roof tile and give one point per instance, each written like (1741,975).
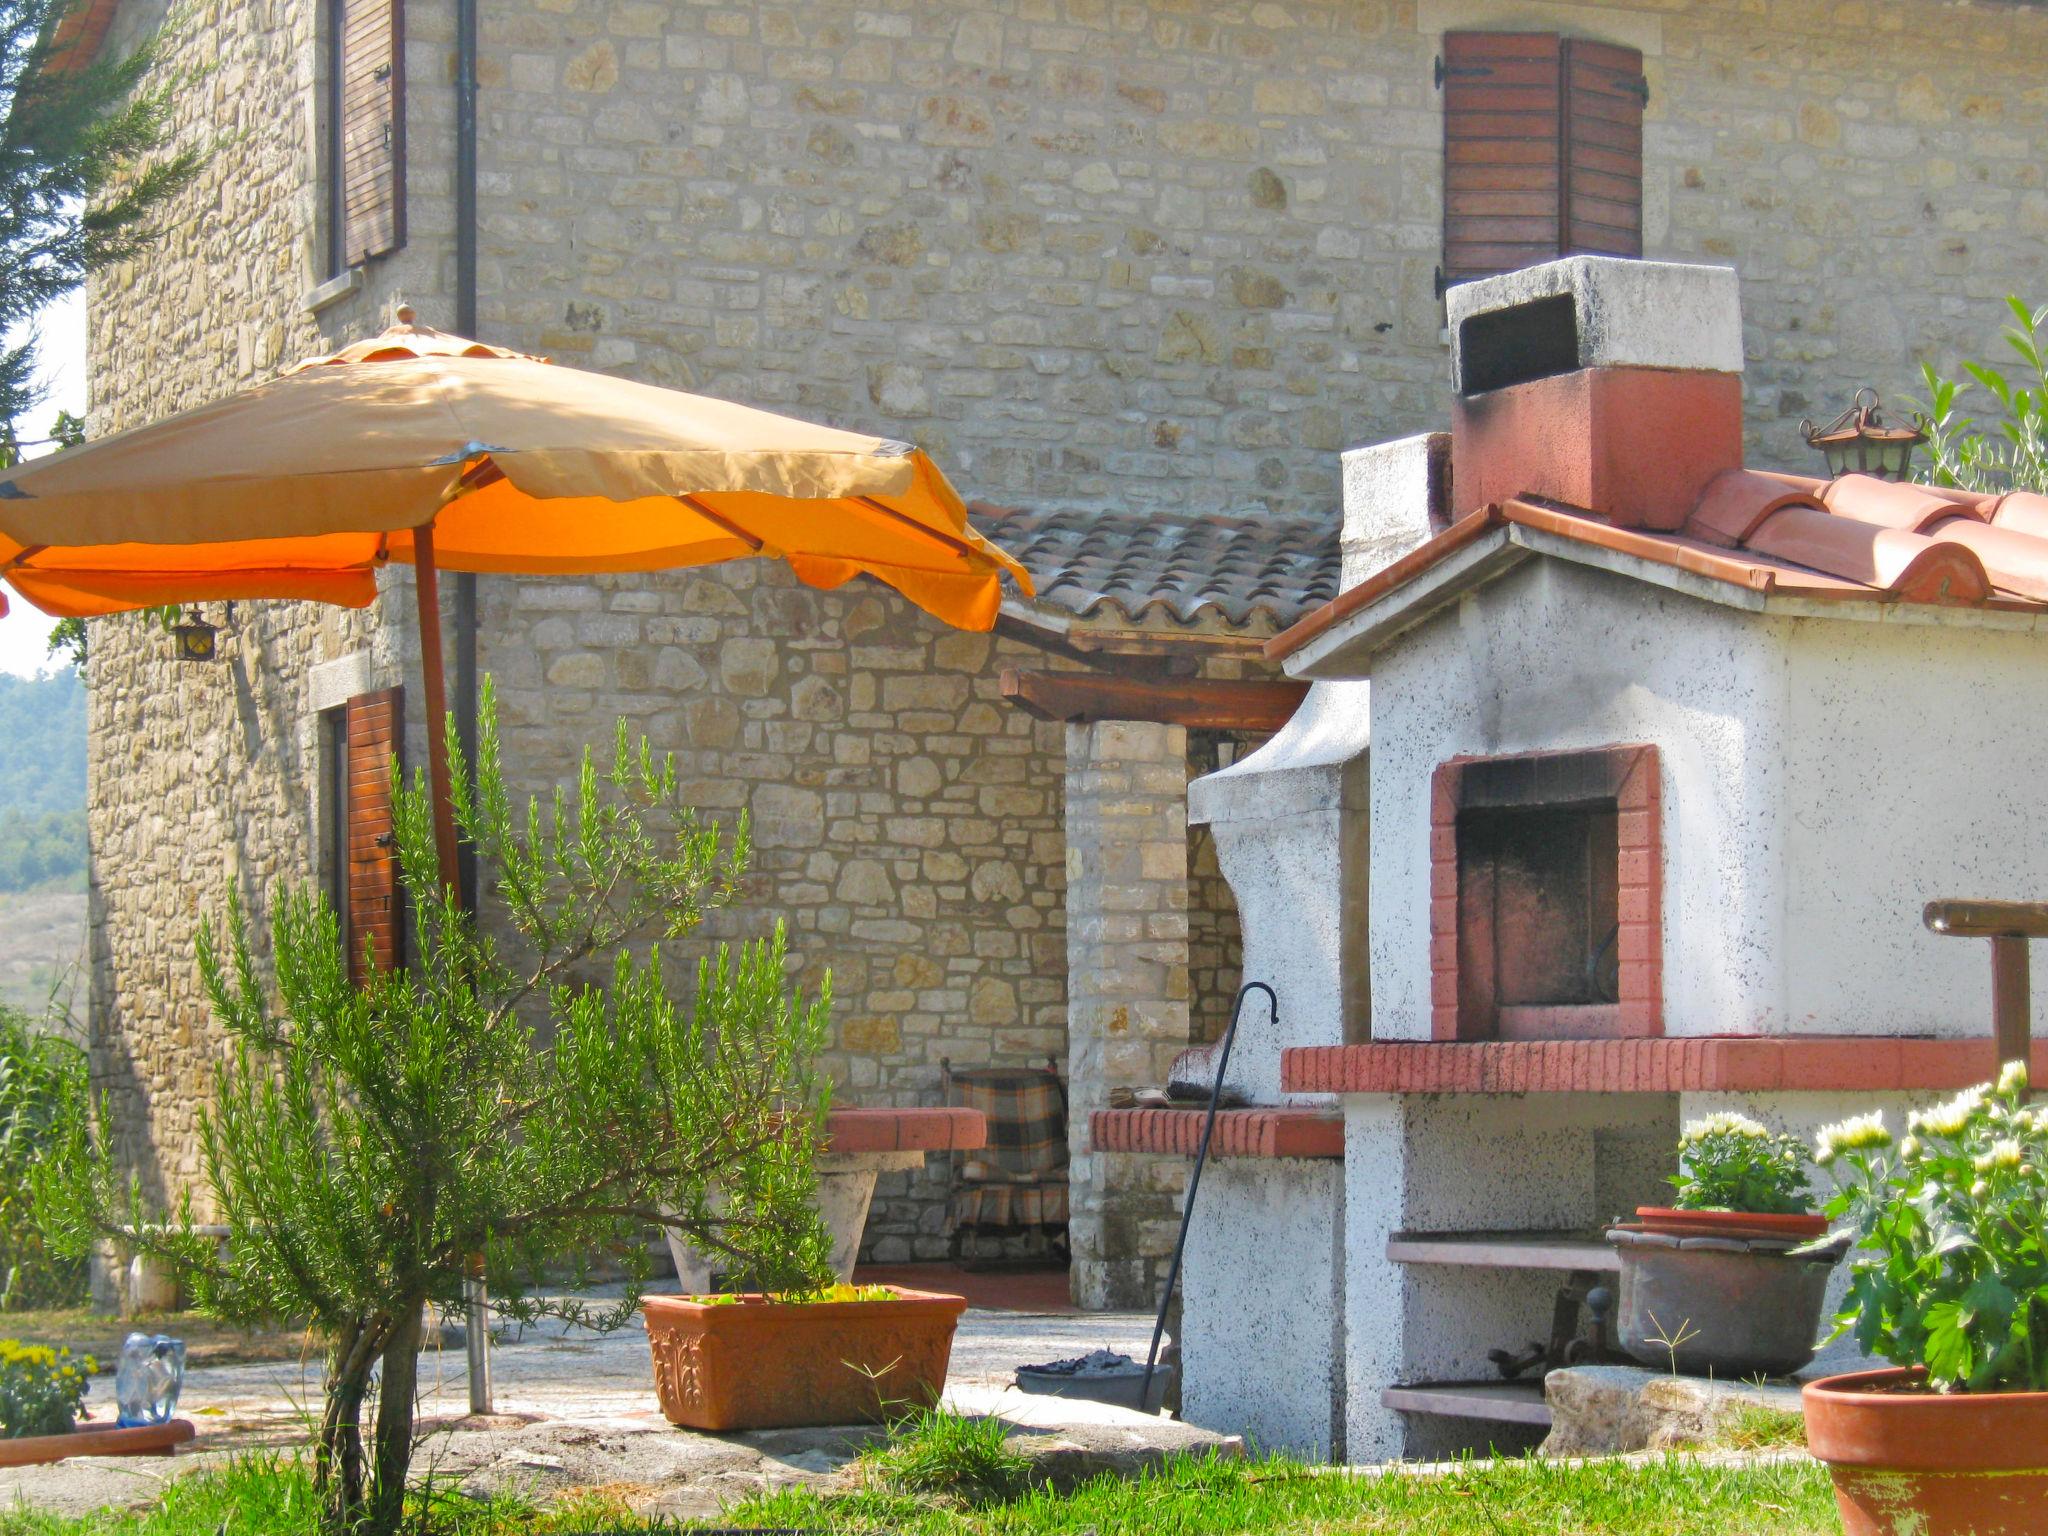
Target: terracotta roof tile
(1238,568)
(1852,538)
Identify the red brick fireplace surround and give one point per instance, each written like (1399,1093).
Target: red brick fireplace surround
(1492,948)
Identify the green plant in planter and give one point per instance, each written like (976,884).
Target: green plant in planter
(41,1389)
(1730,1163)
(1950,1271)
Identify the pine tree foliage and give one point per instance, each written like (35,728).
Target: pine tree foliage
(82,172)
(498,1099)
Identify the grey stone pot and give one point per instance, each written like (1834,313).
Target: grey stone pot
(1720,1306)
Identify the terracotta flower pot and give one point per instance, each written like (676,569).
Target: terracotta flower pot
(753,1363)
(142,1440)
(1800,1227)
(1909,1462)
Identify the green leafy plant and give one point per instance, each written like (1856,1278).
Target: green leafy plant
(827,1293)
(41,1075)
(936,1450)
(41,1389)
(538,1103)
(2008,451)
(1730,1163)
(1950,1271)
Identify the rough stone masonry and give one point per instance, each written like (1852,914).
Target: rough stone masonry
(1107,253)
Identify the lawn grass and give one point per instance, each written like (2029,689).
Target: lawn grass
(1190,1496)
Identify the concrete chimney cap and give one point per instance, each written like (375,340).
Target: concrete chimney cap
(1628,314)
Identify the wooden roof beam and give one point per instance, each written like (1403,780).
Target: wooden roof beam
(1078,697)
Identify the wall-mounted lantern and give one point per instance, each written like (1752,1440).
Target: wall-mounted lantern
(1858,442)
(193,638)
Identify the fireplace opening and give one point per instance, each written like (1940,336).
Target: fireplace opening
(1545,890)
(1538,919)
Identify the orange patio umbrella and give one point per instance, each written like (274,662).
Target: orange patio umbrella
(441,452)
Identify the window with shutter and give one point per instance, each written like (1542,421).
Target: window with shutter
(366,137)
(374,733)
(1543,150)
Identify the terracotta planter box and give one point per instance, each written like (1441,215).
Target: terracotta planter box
(1801,1228)
(1908,1462)
(143,1440)
(760,1364)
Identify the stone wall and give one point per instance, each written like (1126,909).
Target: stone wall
(200,777)
(907,823)
(1160,256)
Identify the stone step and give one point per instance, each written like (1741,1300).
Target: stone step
(1500,1402)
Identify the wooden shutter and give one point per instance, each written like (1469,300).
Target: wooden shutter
(369,65)
(1543,141)
(1602,201)
(375,733)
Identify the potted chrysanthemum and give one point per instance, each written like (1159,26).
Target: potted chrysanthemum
(1948,1282)
(1719,1283)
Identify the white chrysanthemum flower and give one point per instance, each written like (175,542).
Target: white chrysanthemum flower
(2006,1154)
(2013,1079)
(1980,1190)
(1857,1134)
(1911,1148)
(1721,1124)
(1953,1118)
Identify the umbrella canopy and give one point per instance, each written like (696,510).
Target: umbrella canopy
(439,451)
(303,486)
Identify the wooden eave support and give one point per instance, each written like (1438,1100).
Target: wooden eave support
(1079,697)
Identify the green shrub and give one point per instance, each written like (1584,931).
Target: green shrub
(1950,1271)
(539,1104)
(41,1389)
(1730,1163)
(39,1075)
(2010,450)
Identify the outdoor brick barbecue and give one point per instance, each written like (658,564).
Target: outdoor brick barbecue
(1626,774)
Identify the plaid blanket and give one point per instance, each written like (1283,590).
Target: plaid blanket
(1009,1207)
(1027,1125)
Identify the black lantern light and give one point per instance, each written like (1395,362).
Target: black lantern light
(1858,442)
(192,637)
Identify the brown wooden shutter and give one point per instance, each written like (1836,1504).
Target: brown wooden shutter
(1543,141)
(1602,200)
(370,70)
(375,733)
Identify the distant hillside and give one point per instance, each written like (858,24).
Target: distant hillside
(42,781)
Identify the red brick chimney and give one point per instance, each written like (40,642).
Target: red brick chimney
(1611,385)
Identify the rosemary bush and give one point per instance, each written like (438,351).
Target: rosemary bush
(366,1139)
(1950,1271)
(39,1074)
(1730,1163)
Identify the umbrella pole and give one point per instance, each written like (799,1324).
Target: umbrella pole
(476,1329)
(432,671)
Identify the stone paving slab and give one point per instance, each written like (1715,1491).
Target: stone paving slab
(578,1411)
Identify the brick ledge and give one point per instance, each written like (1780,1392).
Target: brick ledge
(1673,1064)
(1239,1132)
(949,1129)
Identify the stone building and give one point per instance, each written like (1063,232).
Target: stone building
(1124,258)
